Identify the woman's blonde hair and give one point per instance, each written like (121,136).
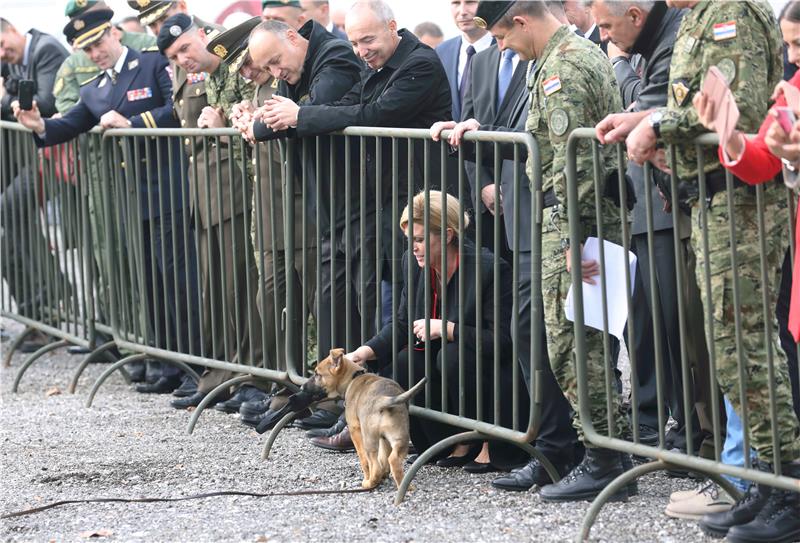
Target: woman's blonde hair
(436,213)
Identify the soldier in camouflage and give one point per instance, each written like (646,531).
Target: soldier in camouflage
(218,205)
(742,41)
(572,85)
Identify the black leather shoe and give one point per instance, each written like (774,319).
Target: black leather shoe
(743,512)
(153,371)
(245,393)
(163,385)
(321,418)
(328,432)
(778,521)
(250,413)
(136,371)
(272,417)
(598,468)
(188,388)
(78,349)
(190,401)
(524,478)
(479,467)
(459,461)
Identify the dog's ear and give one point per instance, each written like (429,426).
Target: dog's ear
(336,361)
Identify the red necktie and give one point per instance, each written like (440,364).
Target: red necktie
(794,304)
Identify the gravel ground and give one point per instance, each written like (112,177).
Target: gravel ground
(133,445)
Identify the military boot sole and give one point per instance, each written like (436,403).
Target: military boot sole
(621,496)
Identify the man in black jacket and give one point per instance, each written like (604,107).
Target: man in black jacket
(651,33)
(33,55)
(314,67)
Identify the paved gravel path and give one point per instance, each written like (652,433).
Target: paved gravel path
(132,445)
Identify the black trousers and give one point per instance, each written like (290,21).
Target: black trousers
(557,438)
(698,384)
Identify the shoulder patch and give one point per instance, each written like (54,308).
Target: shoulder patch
(559,122)
(680,90)
(725,31)
(551,85)
(728,68)
(91,79)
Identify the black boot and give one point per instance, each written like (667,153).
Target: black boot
(525,477)
(779,518)
(598,468)
(627,464)
(742,512)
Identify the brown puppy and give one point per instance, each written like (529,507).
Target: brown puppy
(376,409)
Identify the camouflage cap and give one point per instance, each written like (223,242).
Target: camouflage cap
(76,7)
(88,27)
(491,11)
(280,4)
(150,11)
(231,45)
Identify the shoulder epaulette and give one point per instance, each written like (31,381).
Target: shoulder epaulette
(151,49)
(91,79)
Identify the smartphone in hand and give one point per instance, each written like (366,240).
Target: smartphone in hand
(785,117)
(26,91)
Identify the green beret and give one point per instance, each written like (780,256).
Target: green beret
(280,4)
(76,7)
(491,11)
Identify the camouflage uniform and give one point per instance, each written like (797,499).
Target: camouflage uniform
(573,85)
(742,40)
(219,196)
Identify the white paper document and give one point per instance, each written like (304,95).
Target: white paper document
(615,262)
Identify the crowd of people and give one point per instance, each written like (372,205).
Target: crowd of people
(632,70)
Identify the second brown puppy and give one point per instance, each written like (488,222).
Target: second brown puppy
(376,410)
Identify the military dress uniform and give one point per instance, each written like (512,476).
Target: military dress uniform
(742,40)
(141,91)
(219,195)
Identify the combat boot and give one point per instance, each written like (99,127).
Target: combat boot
(778,521)
(597,470)
(742,512)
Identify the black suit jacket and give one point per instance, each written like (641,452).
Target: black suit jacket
(45,57)
(475,327)
(480,103)
(329,71)
(410,91)
(594,37)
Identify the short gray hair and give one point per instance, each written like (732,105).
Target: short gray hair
(618,8)
(272,26)
(378,7)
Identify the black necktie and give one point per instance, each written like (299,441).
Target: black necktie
(462,91)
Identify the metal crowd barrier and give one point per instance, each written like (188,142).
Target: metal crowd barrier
(47,265)
(774,220)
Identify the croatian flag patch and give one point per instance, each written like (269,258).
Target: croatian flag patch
(551,85)
(724,31)
(139,94)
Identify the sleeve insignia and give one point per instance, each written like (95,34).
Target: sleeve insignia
(551,85)
(680,91)
(725,31)
(559,122)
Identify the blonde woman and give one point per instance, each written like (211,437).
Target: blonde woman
(443,271)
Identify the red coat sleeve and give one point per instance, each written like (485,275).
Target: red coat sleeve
(757,164)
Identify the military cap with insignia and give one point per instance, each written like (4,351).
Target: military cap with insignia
(172,29)
(150,11)
(76,7)
(231,45)
(491,11)
(88,27)
(280,4)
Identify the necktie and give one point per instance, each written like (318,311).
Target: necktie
(504,77)
(114,75)
(794,303)
(462,91)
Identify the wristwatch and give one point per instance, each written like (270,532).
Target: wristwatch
(655,121)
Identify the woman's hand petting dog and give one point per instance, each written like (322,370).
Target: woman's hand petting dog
(361,355)
(436,328)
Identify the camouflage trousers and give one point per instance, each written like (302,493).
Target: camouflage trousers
(561,334)
(757,343)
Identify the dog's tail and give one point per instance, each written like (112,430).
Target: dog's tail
(405,397)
